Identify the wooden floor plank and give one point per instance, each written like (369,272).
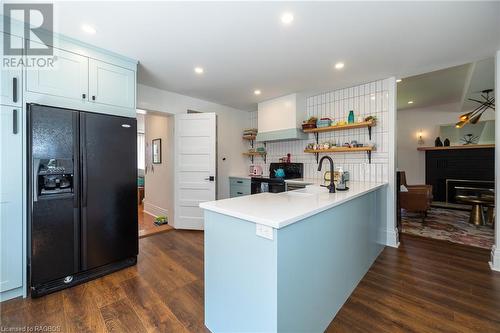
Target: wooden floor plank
(154,314)
(120,317)
(423,286)
(81,314)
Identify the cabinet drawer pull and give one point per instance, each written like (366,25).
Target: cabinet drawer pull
(239,181)
(14,89)
(14,121)
(239,192)
(84,96)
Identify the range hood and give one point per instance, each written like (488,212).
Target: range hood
(280,119)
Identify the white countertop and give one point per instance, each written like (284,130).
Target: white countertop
(278,210)
(302,181)
(241,176)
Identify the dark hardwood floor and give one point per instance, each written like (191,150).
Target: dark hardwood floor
(424,286)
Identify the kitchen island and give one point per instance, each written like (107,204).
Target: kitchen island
(281,262)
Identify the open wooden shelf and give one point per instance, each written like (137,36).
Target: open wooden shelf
(370,123)
(255,153)
(339,150)
(471,146)
(367,149)
(249,137)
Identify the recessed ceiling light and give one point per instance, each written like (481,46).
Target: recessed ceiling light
(140,111)
(287,18)
(198,70)
(399,80)
(410,102)
(257,92)
(88,29)
(339,65)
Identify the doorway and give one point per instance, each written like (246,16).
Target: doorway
(154,163)
(446,154)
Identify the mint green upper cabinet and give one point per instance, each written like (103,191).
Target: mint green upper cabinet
(11,198)
(111,85)
(68,79)
(11,78)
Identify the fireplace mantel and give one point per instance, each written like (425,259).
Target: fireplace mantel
(472,146)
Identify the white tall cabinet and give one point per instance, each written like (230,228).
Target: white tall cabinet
(84,78)
(11,198)
(10,80)
(11,179)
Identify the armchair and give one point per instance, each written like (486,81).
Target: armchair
(417,199)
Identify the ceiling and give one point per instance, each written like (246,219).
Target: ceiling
(434,88)
(451,85)
(481,78)
(244,46)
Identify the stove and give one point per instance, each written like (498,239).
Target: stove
(275,184)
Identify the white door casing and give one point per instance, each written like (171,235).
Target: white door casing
(195,164)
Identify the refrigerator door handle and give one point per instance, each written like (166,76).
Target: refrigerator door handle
(35,165)
(83,144)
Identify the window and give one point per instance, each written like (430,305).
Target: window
(141,151)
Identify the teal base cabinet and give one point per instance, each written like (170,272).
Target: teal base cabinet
(239,186)
(296,282)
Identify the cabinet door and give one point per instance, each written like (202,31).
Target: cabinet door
(10,86)
(111,85)
(11,187)
(68,78)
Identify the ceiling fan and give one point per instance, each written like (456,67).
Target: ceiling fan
(474,115)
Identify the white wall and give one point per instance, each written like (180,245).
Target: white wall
(230,125)
(429,119)
(158,182)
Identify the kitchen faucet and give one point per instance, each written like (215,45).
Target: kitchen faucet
(331,187)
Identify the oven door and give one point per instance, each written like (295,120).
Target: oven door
(260,186)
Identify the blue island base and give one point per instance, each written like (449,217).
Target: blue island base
(299,280)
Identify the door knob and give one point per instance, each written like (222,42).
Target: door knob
(211,178)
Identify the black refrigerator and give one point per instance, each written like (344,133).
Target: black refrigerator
(82,216)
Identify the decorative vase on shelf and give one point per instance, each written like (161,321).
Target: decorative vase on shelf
(446,142)
(438,142)
(350,118)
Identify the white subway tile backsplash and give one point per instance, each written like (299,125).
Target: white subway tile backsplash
(336,105)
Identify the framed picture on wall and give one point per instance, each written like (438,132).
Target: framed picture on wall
(156,151)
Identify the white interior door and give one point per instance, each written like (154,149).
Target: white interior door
(195,167)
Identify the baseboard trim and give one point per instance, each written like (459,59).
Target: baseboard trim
(495,259)
(389,237)
(10,294)
(154,210)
